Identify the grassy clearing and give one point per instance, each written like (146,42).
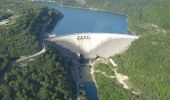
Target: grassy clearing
(104,68)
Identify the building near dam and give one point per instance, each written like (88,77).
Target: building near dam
(92,45)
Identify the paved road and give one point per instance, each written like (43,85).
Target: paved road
(31,56)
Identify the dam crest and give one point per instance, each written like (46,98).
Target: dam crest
(92,45)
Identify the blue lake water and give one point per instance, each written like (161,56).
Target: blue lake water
(77,20)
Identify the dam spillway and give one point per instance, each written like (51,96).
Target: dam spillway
(92,45)
(79,49)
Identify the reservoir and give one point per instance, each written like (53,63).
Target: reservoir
(78,20)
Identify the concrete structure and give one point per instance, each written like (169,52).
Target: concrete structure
(91,45)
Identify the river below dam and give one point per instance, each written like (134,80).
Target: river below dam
(80,20)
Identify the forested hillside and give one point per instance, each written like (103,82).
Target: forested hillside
(22,35)
(40,79)
(45,76)
(147,61)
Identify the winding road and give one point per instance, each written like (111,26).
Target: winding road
(31,56)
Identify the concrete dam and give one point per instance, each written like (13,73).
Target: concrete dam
(91,45)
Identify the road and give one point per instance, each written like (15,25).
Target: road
(31,56)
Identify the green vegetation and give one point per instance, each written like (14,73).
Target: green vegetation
(147,61)
(24,35)
(5,14)
(148,66)
(138,11)
(43,78)
(105,68)
(82,94)
(109,88)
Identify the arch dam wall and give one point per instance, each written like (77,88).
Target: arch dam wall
(91,45)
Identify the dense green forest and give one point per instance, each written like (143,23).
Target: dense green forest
(40,79)
(5,14)
(45,76)
(147,61)
(22,36)
(109,88)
